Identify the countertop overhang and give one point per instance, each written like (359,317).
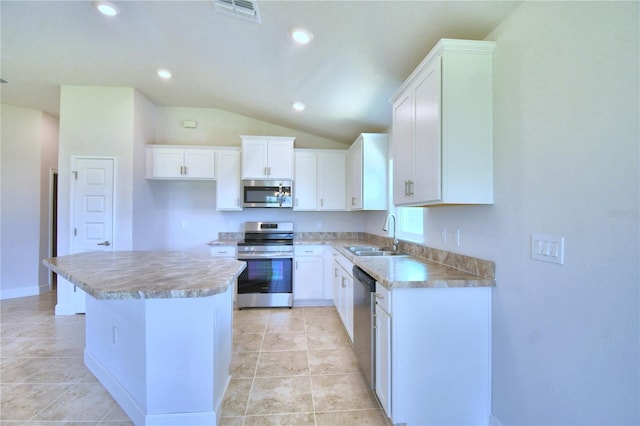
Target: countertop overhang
(147,274)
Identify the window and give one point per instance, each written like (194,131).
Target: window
(410,219)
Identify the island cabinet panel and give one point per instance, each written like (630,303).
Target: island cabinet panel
(165,361)
(434,355)
(443,128)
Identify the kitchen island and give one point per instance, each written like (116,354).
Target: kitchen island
(158,330)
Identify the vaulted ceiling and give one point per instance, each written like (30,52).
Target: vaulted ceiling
(360,54)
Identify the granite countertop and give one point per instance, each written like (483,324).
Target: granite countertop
(423,268)
(147,275)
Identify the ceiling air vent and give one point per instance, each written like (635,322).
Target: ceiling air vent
(247,9)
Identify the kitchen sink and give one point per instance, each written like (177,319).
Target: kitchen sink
(380,253)
(374,251)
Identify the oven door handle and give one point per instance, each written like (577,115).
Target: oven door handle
(271,255)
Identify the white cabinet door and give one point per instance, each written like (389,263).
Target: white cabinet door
(305,183)
(332,180)
(267,157)
(254,158)
(427,142)
(443,128)
(383,359)
(167,163)
(355,175)
(280,155)
(368,174)
(308,278)
(199,163)
(180,163)
(347,303)
(402,149)
(228,180)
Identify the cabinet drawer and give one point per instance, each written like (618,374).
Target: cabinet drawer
(223,251)
(304,250)
(383,298)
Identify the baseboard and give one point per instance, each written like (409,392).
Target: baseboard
(134,411)
(493,421)
(14,293)
(308,303)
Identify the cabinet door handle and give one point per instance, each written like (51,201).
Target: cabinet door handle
(321,202)
(411,187)
(185,170)
(406,188)
(335,272)
(296,265)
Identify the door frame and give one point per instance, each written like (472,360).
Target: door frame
(53,222)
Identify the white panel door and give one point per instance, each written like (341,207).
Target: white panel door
(92,204)
(92,198)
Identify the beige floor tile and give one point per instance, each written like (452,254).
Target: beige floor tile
(74,404)
(284,363)
(60,370)
(243,364)
(116,415)
(23,401)
(241,314)
(56,347)
(247,342)
(283,324)
(285,342)
(250,325)
(236,398)
(330,325)
(341,393)
(17,370)
(14,347)
(231,421)
(361,417)
(275,395)
(333,361)
(328,341)
(322,312)
(298,419)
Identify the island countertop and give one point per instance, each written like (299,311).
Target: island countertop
(147,274)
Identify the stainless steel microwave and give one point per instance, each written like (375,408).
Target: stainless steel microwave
(267,193)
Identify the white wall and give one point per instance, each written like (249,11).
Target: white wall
(28,145)
(222,128)
(97,121)
(565,338)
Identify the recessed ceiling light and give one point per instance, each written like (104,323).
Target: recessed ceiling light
(301,35)
(107,8)
(164,74)
(298,106)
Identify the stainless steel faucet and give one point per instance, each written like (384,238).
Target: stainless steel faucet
(385,228)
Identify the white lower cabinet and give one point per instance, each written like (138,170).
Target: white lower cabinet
(433,355)
(343,291)
(383,351)
(308,275)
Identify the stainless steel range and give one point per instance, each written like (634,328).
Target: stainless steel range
(268,279)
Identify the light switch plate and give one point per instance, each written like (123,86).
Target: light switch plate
(547,248)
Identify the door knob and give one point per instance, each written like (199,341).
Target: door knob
(104,243)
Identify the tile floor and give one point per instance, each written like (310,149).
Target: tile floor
(290,367)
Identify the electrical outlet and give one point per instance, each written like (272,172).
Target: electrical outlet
(547,248)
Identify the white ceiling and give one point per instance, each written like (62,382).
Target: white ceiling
(361,53)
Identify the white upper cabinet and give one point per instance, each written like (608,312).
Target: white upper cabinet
(443,128)
(320,180)
(368,172)
(228,190)
(172,162)
(305,183)
(267,157)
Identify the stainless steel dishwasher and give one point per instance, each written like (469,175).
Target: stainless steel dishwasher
(364,309)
